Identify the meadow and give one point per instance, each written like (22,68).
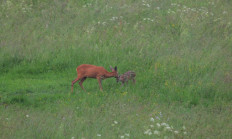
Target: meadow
(181,52)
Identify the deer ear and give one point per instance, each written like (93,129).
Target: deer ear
(111,68)
(115,68)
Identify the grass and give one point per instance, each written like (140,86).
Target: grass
(180,51)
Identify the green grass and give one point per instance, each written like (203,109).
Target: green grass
(180,50)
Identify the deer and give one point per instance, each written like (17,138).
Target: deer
(91,71)
(130,75)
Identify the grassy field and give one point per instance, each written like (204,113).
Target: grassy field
(181,52)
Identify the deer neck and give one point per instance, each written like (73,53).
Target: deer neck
(109,74)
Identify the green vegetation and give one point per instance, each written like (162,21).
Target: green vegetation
(181,52)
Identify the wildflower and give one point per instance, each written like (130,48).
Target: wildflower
(148,132)
(24,10)
(127,134)
(114,18)
(156,132)
(158,124)
(176,132)
(73,138)
(152,119)
(9,3)
(167,128)
(99,135)
(212,3)
(151,126)
(27,115)
(157,117)
(164,124)
(124,93)
(7,118)
(158,8)
(185,132)
(166,82)
(194,9)
(184,127)
(224,12)
(122,137)
(115,122)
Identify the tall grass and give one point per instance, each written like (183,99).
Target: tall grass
(180,51)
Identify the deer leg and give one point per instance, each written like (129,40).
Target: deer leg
(122,83)
(80,83)
(100,83)
(127,82)
(133,80)
(73,82)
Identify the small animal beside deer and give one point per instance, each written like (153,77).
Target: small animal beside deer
(91,71)
(124,78)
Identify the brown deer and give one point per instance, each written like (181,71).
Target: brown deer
(130,75)
(91,71)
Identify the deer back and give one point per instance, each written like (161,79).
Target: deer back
(92,71)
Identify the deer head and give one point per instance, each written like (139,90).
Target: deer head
(114,70)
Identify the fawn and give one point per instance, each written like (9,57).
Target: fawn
(91,71)
(130,75)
